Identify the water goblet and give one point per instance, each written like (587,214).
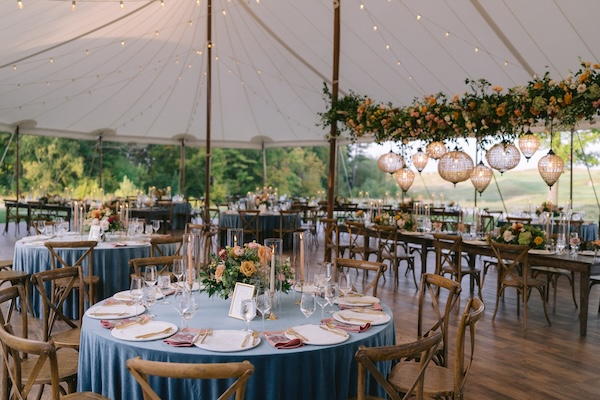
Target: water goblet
(344,283)
(331,293)
(148,229)
(164,284)
(307,305)
(155,225)
(186,306)
(178,268)
(322,299)
(263,304)
(58,224)
(248,312)
(136,291)
(149,298)
(150,275)
(41,226)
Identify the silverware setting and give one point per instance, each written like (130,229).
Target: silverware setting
(292,332)
(333,330)
(104,314)
(245,342)
(206,334)
(149,335)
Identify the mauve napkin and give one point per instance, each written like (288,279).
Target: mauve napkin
(109,324)
(278,340)
(185,337)
(347,327)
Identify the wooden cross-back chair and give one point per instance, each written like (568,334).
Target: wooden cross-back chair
(514,272)
(28,363)
(250,224)
(431,288)
(387,245)
(36,223)
(441,382)
(63,282)
(163,263)
(519,220)
(346,264)
(156,243)
(359,241)
(331,236)
(288,224)
(241,371)
(449,260)
(421,350)
(89,279)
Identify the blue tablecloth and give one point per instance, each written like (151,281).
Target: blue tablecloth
(268,222)
(111,264)
(309,372)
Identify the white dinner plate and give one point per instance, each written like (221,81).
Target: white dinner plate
(132,333)
(358,318)
(358,301)
(317,335)
(117,311)
(228,341)
(539,251)
(125,296)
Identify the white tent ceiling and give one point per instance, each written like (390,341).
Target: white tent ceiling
(138,74)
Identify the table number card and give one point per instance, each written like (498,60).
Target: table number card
(241,292)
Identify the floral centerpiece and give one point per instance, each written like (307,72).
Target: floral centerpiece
(245,264)
(401,220)
(526,235)
(261,198)
(108,220)
(550,207)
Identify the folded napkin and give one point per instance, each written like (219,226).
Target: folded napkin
(185,337)
(278,340)
(114,302)
(109,324)
(347,327)
(375,306)
(117,244)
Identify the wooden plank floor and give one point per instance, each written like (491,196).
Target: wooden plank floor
(544,362)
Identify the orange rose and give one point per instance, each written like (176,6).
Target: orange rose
(472,104)
(264,253)
(538,85)
(568,98)
(518,113)
(219,272)
(500,111)
(248,268)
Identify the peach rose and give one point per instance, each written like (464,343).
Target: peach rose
(219,272)
(253,245)
(264,253)
(247,268)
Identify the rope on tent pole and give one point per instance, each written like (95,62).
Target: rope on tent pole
(499,192)
(12,135)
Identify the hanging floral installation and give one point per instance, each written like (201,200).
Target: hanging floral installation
(488,113)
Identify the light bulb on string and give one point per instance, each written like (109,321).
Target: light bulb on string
(20,4)
(122,5)
(73,5)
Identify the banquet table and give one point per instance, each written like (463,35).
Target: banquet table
(307,372)
(589,230)
(268,222)
(111,262)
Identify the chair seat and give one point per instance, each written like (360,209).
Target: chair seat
(67,367)
(6,264)
(86,280)
(552,270)
(517,281)
(11,275)
(439,381)
(70,338)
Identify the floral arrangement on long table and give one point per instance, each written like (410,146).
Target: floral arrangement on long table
(525,235)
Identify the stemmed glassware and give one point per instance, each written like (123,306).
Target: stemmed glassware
(344,283)
(185,306)
(321,297)
(164,284)
(331,293)
(155,225)
(178,268)
(58,224)
(263,304)
(307,305)
(41,226)
(150,299)
(248,312)
(150,275)
(136,290)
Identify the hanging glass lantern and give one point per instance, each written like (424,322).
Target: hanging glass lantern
(405,178)
(390,162)
(503,156)
(529,144)
(481,177)
(551,167)
(455,166)
(419,160)
(436,150)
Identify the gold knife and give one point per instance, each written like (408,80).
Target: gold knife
(149,335)
(366,321)
(246,340)
(102,314)
(333,331)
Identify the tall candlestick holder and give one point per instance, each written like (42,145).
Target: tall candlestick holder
(274,263)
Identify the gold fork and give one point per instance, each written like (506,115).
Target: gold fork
(291,331)
(355,319)
(141,321)
(206,333)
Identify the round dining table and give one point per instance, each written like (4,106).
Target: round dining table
(111,263)
(308,372)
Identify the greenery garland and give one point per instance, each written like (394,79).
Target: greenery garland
(485,112)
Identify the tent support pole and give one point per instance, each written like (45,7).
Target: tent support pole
(18,164)
(100,162)
(333,133)
(571,177)
(208,108)
(264,164)
(182,168)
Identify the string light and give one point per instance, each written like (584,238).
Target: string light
(476,49)
(15,67)
(447,34)
(418,17)
(224,13)
(122,43)
(87,52)
(73,5)
(162,3)
(156,33)
(122,5)
(375,27)
(51,60)
(20,4)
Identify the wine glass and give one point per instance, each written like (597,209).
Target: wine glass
(164,284)
(321,297)
(58,225)
(136,290)
(331,293)
(41,226)
(150,275)
(149,299)
(185,306)
(328,269)
(155,225)
(248,312)
(263,304)
(344,283)
(178,268)
(307,305)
